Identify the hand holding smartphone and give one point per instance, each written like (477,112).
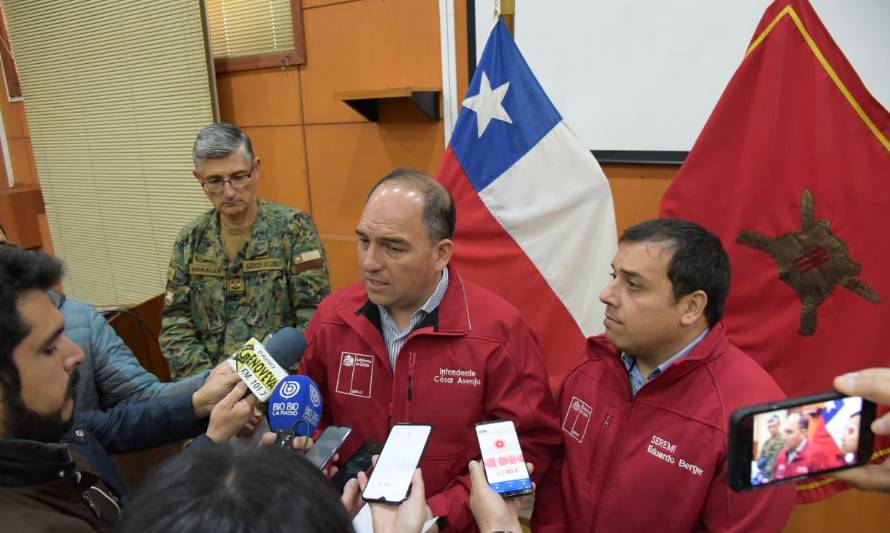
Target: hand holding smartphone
(798,438)
(502,458)
(327,445)
(360,461)
(390,480)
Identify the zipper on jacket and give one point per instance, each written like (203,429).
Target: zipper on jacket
(411,360)
(617,446)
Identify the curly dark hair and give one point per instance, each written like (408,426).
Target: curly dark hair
(20,271)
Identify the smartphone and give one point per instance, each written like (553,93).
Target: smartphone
(327,445)
(505,467)
(390,480)
(798,438)
(360,461)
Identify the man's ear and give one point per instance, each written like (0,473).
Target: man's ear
(256,169)
(693,306)
(443,251)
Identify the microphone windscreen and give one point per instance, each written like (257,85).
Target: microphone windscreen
(286,346)
(295,405)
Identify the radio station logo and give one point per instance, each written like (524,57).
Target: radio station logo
(314,396)
(289,389)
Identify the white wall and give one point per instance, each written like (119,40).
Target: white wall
(645,74)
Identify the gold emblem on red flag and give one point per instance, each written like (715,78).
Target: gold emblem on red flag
(813,262)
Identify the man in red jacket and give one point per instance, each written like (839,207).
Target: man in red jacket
(413,342)
(799,457)
(645,416)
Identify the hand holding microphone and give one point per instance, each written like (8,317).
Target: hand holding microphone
(230,414)
(262,367)
(294,409)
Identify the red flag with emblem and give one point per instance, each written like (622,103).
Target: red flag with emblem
(792,171)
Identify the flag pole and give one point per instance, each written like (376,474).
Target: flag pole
(508,14)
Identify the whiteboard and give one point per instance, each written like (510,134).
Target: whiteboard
(645,75)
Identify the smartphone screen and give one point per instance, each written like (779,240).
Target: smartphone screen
(327,445)
(799,438)
(360,461)
(401,455)
(504,465)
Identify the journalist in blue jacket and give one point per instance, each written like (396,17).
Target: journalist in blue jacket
(110,373)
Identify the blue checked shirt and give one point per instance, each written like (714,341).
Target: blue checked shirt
(394,337)
(637,381)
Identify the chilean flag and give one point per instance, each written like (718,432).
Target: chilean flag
(535,219)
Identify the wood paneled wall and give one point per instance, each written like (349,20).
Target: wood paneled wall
(16,124)
(317,153)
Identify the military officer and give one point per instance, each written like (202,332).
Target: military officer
(243,269)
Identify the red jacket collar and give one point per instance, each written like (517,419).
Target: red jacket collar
(714,343)
(452,317)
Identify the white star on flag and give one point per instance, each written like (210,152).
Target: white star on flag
(487,104)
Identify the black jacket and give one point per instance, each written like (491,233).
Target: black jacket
(74,485)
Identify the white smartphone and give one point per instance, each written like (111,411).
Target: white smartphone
(391,479)
(505,466)
(327,445)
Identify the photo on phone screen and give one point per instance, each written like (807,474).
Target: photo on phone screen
(401,455)
(502,457)
(327,445)
(798,439)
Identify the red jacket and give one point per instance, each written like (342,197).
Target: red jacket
(473,359)
(657,461)
(810,459)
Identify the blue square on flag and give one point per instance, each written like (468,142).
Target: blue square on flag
(510,112)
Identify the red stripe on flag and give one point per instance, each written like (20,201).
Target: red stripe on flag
(492,259)
(812,259)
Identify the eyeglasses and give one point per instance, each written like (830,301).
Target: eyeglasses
(57,298)
(237,181)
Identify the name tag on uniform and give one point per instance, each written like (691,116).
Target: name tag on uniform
(206,269)
(257,265)
(306,261)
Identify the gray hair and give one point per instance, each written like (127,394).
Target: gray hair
(439,213)
(220,140)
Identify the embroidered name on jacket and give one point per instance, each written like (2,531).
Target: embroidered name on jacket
(457,376)
(666,451)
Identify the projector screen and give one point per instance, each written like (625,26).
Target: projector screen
(645,75)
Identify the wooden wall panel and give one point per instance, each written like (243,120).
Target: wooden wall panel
(21,154)
(309,4)
(19,209)
(637,191)
(851,510)
(23,166)
(15,121)
(260,98)
(345,160)
(46,240)
(282,165)
(342,259)
(367,45)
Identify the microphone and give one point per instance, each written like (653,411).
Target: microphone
(294,409)
(263,367)
(286,346)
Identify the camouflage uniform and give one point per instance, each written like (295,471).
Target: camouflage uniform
(213,305)
(770,452)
